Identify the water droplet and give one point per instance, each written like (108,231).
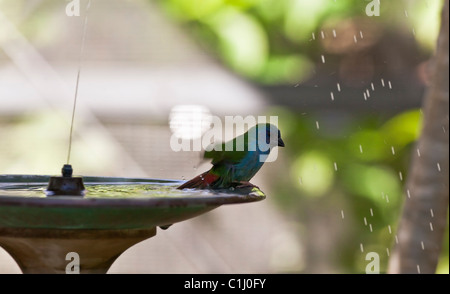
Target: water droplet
(368,93)
(339,87)
(414,31)
(406,13)
(342,214)
(313,36)
(365,96)
(322,34)
(371,212)
(323,58)
(300,180)
(372,86)
(389,229)
(418,152)
(408,193)
(418,269)
(396,239)
(317,125)
(438,167)
(370,227)
(334,33)
(431,226)
(443,129)
(361,247)
(387,251)
(400,175)
(423,245)
(361,34)
(393,150)
(390,85)
(360,149)
(382,82)
(354,39)
(387,198)
(332,96)
(335,166)
(365,221)
(431,212)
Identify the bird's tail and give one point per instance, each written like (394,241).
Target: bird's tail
(201,181)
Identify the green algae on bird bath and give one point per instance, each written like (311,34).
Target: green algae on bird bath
(158,190)
(118,191)
(122,188)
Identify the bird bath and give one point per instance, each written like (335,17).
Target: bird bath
(38,231)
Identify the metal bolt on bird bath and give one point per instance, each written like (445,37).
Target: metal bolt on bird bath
(66,185)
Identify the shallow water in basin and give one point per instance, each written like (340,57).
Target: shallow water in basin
(113,190)
(109,190)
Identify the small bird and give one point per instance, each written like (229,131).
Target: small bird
(235,168)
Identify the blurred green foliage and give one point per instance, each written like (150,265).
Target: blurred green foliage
(366,185)
(270,41)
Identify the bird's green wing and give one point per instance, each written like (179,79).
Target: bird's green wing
(219,153)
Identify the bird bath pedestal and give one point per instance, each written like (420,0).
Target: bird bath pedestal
(40,231)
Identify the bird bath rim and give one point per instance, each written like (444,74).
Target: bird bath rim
(128,212)
(217,197)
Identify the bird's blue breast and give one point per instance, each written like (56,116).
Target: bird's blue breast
(248,166)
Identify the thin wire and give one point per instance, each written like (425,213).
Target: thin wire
(78,79)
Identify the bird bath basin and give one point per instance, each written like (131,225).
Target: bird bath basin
(39,231)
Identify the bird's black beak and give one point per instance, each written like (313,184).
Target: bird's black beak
(280,142)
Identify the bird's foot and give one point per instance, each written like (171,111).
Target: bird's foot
(243,184)
(165,227)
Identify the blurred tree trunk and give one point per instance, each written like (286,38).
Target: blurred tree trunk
(424,217)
